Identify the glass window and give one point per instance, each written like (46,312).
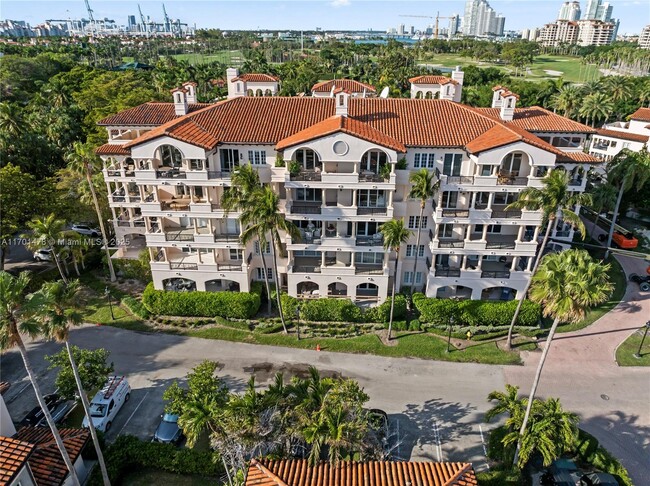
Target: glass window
(446,231)
(408,278)
(452,164)
(267,248)
(196,164)
(416,223)
(170,156)
(450,199)
(229,159)
(307,158)
(486,170)
(257,157)
(512,163)
(367,228)
(373,160)
(422,160)
(307,194)
(410,251)
(235,254)
(371,198)
(368,257)
(260,273)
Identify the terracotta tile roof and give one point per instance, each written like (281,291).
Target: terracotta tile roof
(633,137)
(13,455)
(642,114)
(147,114)
(4,386)
(46,462)
(579,158)
(496,136)
(255,78)
(507,93)
(430,79)
(537,119)
(341,124)
(349,84)
(112,149)
(298,472)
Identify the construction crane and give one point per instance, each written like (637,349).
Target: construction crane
(168,22)
(437,17)
(144,21)
(91,18)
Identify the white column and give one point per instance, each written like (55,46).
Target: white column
(468,232)
(323,198)
(147,224)
(356,167)
(436,231)
(529,265)
(198,255)
(515,261)
(354,198)
(211,226)
(390,199)
(473,204)
(322,258)
(463,262)
(165,257)
(484,235)
(490,200)
(520,233)
(536,234)
(196,226)
(152,254)
(479,266)
(142,196)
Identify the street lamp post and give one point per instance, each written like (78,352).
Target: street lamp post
(645,333)
(451,323)
(110,302)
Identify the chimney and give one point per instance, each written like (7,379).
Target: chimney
(180,101)
(342,97)
(235,87)
(458,76)
(190,86)
(496,96)
(508,104)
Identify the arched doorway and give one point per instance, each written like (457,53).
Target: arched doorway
(337,289)
(367,290)
(308,289)
(498,293)
(179,284)
(221,285)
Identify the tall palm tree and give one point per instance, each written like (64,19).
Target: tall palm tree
(566,285)
(261,217)
(603,196)
(618,87)
(245,182)
(59,305)
(596,106)
(47,233)
(423,188)
(567,100)
(556,201)
(626,170)
(16,320)
(508,402)
(83,160)
(395,234)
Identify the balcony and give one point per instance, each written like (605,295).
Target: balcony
(306,208)
(449,243)
(374,240)
(495,274)
(306,176)
(170,173)
(368,269)
(447,272)
(227,238)
(501,242)
(363,211)
(500,211)
(459,179)
(511,179)
(175,205)
(455,213)
(575,182)
(371,177)
(191,262)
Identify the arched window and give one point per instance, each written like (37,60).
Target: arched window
(308,159)
(429,95)
(511,163)
(373,161)
(258,92)
(268,92)
(418,95)
(170,156)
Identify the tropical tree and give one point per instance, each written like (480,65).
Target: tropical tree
(423,188)
(16,320)
(567,100)
(603,197)
(566,286)
(556,201)
(48,233)
(59,305)
(508,402)
(395,234)
(262,217)
(626,170)
(596,106)
(83,160)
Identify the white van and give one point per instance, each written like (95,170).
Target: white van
(108,401)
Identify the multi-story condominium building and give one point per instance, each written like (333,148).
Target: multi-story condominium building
(614,137)
(581,32)
(481,20)
(167,166)
(569,11)
(644,38)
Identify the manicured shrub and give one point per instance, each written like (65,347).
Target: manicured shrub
(234,305)
(135,307)
(337,310)
(414,325)
(381,313)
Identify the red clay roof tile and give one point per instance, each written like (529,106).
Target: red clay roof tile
(147,114)
(14,454)
(633,137)
(297,472)
(537,119)
(579,158)
(255,78)
(642,114)
(112,149)
(431,79)
(349,84)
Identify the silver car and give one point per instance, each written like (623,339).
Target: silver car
(85,229)
(168,431)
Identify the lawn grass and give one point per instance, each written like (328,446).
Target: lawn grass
(230,58)
(625,352)
(147,477)
(97,311)
(420,345)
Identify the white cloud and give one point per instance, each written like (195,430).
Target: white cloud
(340,3)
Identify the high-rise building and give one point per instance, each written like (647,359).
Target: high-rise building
(597,10)
(131,23)
(569,11)
(480,19)
(454,25)
(644,38)
(402,29)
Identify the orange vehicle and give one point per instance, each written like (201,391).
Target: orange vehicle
(626,241)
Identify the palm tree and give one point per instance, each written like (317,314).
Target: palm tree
(47,232)
(603,198)
(422,188)
(626,170)
(566,100)
(556,201)
(566,285)
(596,106)
(58,310)
(245,182)
(394,235)
(15,320)
(83,161)
(508,402)
(261,217)
(618,87)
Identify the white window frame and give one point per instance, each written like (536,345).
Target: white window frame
(408,278)
(260,273)
(267,250)
(410,251)
(424,160)
(257,157)
(455,161)
(416,223)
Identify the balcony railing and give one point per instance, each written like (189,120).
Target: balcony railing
(455,213)
(451,244)
(306,176)
(460,179)
(306,269)
(181,205)
(370,210)
(500,245)
(575,182)
(512,214)
(368,270)
(170,174)
(183,266)
(113,172)
(370,177)
(447,272)
(179,237)
(374,240)
(228,237)
(562,234)
(495,274)
(511,179)
(305,208)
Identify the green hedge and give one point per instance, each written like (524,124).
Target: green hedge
(128,453)
(381,313)
(475,312)
(138,269)
(234,305)
(333,310)
(136,307)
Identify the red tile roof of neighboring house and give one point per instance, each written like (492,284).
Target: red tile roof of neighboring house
(298,472)
(147,114)
(112,149)
(507,93)
(13,456)
(431,79)
(642,114)
(256,78)
(46,462)
(537,119)
(349,84)
(633,137)
(341,124)
(579,158)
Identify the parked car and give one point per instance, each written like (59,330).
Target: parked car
(85,229)
(168,431)
(600,479)
(643,281)
(108,402)
(43,255)
(627,241)
(59,409)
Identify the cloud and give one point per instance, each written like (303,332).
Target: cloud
(340,3)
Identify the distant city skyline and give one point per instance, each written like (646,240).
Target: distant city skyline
(308,15)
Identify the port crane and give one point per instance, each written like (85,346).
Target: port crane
(143,20)
(93,25)
(437,17)
(168,21)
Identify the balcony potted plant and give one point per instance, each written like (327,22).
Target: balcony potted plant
(279,160)
(384,172)
(294,168)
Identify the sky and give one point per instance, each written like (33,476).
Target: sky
(378,15)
